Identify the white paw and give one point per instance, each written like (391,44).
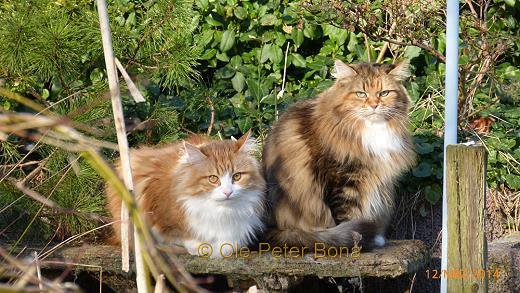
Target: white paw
(226,249)
(193,246)
(379,240)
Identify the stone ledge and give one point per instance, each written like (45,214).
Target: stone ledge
(399,257)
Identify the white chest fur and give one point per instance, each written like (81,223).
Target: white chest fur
(218,224)
(380,140)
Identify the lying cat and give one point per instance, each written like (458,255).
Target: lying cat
(198,191)
(331,162)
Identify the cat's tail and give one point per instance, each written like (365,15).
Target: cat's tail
(352,233)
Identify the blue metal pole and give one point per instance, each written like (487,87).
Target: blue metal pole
(451,103)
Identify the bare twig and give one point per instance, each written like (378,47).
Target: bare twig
(426,47)
(19,165)
(134,92)
(25,268)
(121,139)
(281,92)
(19,162)
(38,270)
(386,44)
(470,5)
(159,284)
(367,46)
(212,118)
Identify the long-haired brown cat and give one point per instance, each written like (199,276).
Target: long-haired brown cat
(331,162)
(198,191)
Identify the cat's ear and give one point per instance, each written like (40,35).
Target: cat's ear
(191,154)
(246,143)
(401,70)
(342,70)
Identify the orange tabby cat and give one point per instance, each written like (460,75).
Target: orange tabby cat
(331,162)
(198,191)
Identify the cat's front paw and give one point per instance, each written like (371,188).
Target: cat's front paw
(379,241)
(207,250)
(195,247)
(225,249)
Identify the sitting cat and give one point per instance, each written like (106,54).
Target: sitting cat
(198,191)
(331,162)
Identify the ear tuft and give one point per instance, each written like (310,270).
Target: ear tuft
(246,143)
(342,70)
(401,70)
(190,154)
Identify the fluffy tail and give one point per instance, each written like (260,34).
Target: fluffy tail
(349,234)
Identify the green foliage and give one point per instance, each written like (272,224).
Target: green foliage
(243,57)
(156,35)
(503,145)
(40,42)
(51,51)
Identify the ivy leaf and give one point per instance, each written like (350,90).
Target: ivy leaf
(511,72)
(424,169)
(203,4)
(236,61)
(245,123)
(298,60)
(338,35)
(264,55)
(412,52)
(208,54)
(254,89)
(275,54)
(238,81)
(213,22)
(513,181)
(297,36)
(268,20)
(225,72)
(352,42)
(227,41)
(423,148)
(240,13)
(222,57)
(433,193)
(510,2)
(309,31)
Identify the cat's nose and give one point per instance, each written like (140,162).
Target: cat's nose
(227,193)
(374,106)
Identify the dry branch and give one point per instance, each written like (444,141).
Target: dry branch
(142,278)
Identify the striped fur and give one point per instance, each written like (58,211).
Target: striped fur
(331,162)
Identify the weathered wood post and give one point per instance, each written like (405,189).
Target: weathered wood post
(466,192)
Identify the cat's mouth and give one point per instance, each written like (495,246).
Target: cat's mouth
(225,199)
(374,116)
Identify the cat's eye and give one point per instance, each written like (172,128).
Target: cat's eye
(383,93)
(361,94)
(237,176)
(213,179)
